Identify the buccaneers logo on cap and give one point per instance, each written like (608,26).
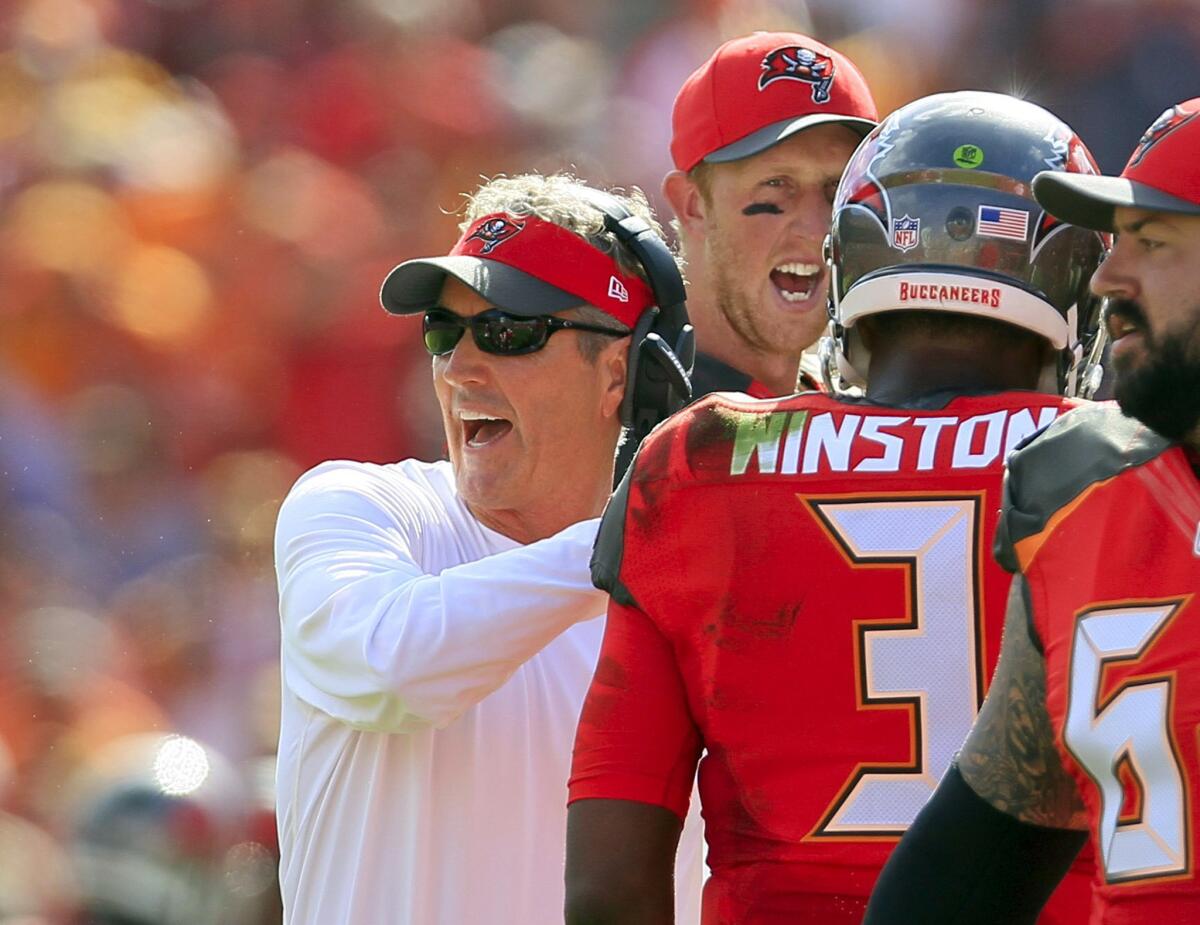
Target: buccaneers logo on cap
(1163,126)
(494,232)
(794,62)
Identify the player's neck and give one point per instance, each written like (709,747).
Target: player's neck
(778,373)
(898,377)
(717,338)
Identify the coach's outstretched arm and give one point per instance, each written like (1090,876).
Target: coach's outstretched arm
(1005,822)
(376,643)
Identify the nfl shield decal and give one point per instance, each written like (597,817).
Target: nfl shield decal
(906,233)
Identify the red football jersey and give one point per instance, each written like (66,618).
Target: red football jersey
(801,588)
(1103,518)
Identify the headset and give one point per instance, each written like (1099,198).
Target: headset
(664,344)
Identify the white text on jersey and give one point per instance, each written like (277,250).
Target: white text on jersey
(788,442)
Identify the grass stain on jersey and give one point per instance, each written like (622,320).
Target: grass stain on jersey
(761,435)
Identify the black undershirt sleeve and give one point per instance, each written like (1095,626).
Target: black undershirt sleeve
(964,861)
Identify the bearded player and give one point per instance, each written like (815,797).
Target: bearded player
(799,586)
(1091,725)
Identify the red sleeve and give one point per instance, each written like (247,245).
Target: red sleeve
(636,739)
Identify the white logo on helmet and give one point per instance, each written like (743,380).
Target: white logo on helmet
(617,290)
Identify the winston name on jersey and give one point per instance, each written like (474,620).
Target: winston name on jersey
(812,441)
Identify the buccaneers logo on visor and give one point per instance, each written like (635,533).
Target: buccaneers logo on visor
(493,233)
(1163,126)
(794,62)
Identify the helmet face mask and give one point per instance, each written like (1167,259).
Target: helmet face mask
(935,212)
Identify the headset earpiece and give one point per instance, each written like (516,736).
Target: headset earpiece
(663,347)
(628,407)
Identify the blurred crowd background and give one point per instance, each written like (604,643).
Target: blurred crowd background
(198,202)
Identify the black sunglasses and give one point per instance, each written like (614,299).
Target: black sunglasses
(496,331)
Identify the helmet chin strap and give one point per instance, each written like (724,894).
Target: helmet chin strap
(1086,372)
(1090,380)
(827,354)
(840,375)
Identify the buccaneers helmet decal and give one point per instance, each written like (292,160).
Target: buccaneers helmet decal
(1068,153)
(869,194)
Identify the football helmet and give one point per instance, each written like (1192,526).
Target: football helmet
(935,212)
(162,834)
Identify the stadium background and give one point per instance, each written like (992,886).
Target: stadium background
(198,201)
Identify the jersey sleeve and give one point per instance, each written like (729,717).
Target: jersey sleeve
(372,640)
(636,738)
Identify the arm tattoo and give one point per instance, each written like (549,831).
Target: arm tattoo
(1009,758)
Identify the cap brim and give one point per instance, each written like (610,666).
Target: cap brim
(416,285)
(776,132)
(1088,201)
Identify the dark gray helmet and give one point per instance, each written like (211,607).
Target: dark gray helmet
(935,212)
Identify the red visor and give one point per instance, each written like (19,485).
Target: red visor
(558,257)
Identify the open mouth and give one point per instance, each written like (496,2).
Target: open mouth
(1123,317)
(1126,335)
(480,429)
(1120,326)
(796,282)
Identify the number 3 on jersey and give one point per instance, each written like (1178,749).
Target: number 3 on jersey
(930,662)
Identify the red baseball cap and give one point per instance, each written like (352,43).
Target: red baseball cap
(761,88)
(1162,175)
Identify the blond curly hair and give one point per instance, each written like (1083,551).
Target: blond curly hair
(556,198)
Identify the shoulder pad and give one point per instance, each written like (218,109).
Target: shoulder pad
(610,543)
(651,464)
(1090,444)
(694,444)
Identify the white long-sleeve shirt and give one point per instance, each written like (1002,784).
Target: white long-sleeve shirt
(433,673)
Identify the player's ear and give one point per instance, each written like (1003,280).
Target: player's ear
(687,201)
(614,371)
